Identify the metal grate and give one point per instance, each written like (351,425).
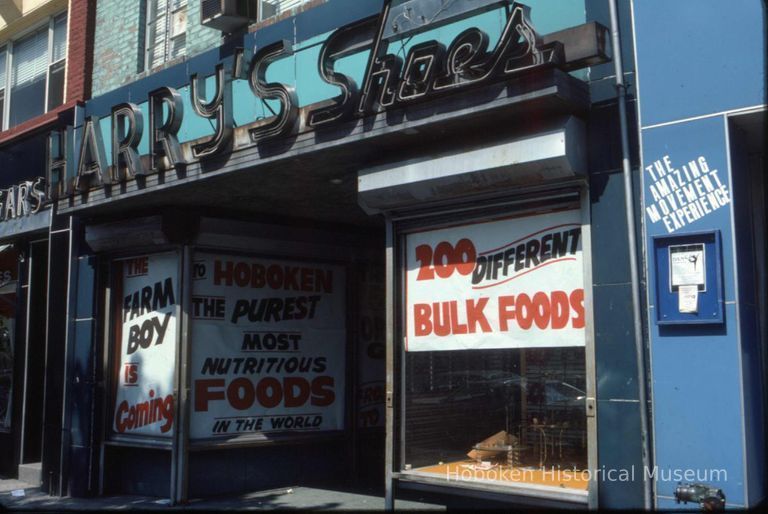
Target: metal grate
(210,8)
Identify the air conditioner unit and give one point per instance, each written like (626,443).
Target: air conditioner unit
(228,15)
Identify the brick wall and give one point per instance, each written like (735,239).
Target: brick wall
(118,47)
(199,38)
(79,55)
(115,45)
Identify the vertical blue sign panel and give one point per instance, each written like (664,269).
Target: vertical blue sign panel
(698,419)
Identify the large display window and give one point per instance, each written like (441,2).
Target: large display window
(268,347)
(146,328)
(266,344)
(494,358)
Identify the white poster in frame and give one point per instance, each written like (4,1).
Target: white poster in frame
(147,322)
(268,346)
(515,282)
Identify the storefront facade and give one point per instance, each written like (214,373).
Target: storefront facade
(44,77)
(369,243)
(227,223)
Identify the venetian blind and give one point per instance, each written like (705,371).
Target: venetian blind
(167,26)
(30,58)
(158,32)
(59,38)
(3,62)
(284,5)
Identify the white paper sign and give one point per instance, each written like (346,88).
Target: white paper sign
(510,283)
(687,265)
(268,346)
(144,403)
(688,299)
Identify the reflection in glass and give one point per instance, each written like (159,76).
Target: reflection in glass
(511,415)
(7,315)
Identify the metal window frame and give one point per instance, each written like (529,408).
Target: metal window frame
(51,62)
(276,4)
(110,344)
(350,387)
(151,15)
(48,65)
(7,49)
(109,354)
(180,444)
(183,443)
(397,229)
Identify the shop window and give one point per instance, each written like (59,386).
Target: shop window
(166,31)
(146,313)
(495,384)
(268,348)
(8,270)
(32,73)
(270,8)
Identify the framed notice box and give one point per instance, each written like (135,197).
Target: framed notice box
(689,286)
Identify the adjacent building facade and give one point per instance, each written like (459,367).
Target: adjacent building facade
(483,251)
(45,76)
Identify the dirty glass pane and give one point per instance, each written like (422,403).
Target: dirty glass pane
(505,416)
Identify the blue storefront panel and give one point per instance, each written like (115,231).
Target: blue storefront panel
(696,58)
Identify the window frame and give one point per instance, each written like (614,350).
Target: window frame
(51,62)
(150,16)
(277,5)
(399,229)
(8,47)
(112,349)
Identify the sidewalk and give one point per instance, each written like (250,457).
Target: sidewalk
(304,498)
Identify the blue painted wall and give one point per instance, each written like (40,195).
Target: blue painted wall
(698,57)
(704,60)
(307,32)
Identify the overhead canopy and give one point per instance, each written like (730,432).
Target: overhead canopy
(557,151)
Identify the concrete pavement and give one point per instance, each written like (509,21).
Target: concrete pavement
(302,498)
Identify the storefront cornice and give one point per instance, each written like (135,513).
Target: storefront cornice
(62,115)
(550,92)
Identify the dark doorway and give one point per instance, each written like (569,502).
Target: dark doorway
(34,375)
(750,197)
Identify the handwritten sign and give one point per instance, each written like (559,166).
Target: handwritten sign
(268,346)
(683,195)
(509,283)
(144,401)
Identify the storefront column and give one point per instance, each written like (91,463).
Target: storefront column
(389,277)
(54,444)
(82,378)
(180,468)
